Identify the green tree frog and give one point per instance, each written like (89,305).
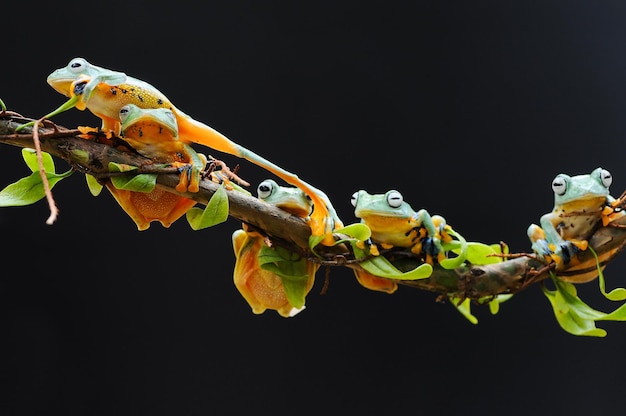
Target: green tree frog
(154,134)
(104,92)
(580,207)
(282,289)
(394,223)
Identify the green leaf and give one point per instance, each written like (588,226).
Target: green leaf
(479,253)
(291,268)
(464,307)
(144,182)
(616,294)
(572,314)
(215,212)
(29,190)
(381,267)
(314,240)
(357,231)
(460,249)
(494,304)
(94,186)
(30,157)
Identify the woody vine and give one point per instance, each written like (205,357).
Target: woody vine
(278,250)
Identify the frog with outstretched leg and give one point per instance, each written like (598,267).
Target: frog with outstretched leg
(580,204)
(140,128)
(281,289)
(104,92)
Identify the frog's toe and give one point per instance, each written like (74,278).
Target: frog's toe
(183,182)
(189,179)
(194,183)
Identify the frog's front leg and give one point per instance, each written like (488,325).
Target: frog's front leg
(538,241)
(430,244)
(548,243)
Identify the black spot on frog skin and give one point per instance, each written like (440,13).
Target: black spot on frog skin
(160,102)
(114,91)
(80,88)
(567,251)
(140,98)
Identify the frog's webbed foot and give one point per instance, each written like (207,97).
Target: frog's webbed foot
(614,210)
(87,132)
(191,173)
(564,252)
(429,235)
(189,180)
(427,246)
(431,247)
(542,248)
(560,253)
(371,246)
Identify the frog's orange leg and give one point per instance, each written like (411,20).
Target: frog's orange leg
(323,218)
(372,282)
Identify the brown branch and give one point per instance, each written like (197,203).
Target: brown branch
(468,281)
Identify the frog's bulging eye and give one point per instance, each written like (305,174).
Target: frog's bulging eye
(559,185)
(606,178)
(77,65)
(354,198)
(394,199)
(265,189)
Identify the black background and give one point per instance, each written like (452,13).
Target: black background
(467,108)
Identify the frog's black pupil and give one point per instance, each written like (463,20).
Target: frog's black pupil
(264,188)
(75,65)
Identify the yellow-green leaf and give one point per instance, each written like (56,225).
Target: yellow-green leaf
(94,186)
(30,157)
(381,267)
(292,270)
(616,294)
(464,307)
(215,212)
(28,190)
